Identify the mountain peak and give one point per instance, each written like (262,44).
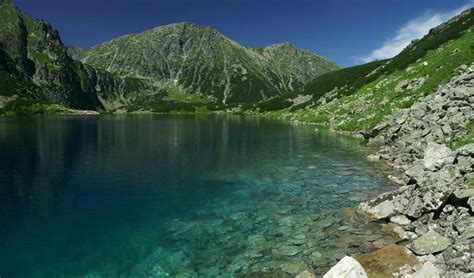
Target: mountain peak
(283,45)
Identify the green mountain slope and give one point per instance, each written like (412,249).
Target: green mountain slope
(358,98)
(348,81)
(193,59)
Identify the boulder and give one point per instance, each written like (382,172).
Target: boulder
(347,267)
(464,193)
(400,220)
(385,261)
(436,156)
(429,243)
(428,270)
(382,210)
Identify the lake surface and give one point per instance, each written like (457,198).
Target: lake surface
(195,196)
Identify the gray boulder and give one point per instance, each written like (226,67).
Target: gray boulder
(429,243)
(436,156)
(428,270)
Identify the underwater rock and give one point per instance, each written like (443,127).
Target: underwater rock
(294,267)
(385,261)
(306,274)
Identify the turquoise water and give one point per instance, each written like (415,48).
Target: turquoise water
(166,196)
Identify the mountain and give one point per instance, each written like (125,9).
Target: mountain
(36,66)
(198,60)
(175,67)
(358,98)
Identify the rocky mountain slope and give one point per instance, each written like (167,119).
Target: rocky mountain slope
(35,65)
(199,60)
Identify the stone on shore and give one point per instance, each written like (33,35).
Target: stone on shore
(382,210)
(347,267)
(429,243)
(464,193)
(428,270)
(388,260)
(436,156)
(400,220)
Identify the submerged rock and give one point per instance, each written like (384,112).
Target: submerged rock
(348,267)
(385,261)
(294,267)
(429,243)
(306,274)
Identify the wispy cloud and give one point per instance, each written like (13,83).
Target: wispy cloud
(413,29)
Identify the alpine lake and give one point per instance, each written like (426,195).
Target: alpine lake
(181,196)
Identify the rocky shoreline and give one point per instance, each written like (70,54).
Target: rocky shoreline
(432,211)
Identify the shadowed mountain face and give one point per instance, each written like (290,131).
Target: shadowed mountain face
(200,60)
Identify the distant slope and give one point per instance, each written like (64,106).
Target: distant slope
(358,99)
(349,80)
(193,59)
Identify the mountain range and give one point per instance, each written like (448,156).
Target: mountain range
(174,66)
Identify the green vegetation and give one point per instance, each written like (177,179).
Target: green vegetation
(358,98)
(349,81)
(470,182)
(40,57)
(468,138)
(384,95)
(27,107)
(346,80)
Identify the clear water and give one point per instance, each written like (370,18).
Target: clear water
(159,196)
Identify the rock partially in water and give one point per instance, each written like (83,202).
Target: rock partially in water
(429,243)
(388,260)
(348,267)
(382,210)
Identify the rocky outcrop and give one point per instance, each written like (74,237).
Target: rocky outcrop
(430,243)
(432,209)
(347,267)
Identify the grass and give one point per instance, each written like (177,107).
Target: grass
(468,138)
(29,107)
(470,182)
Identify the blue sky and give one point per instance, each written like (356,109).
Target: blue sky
(347,31)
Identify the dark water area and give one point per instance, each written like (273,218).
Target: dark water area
(167,196)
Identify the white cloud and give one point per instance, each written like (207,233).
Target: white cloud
(413,29)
